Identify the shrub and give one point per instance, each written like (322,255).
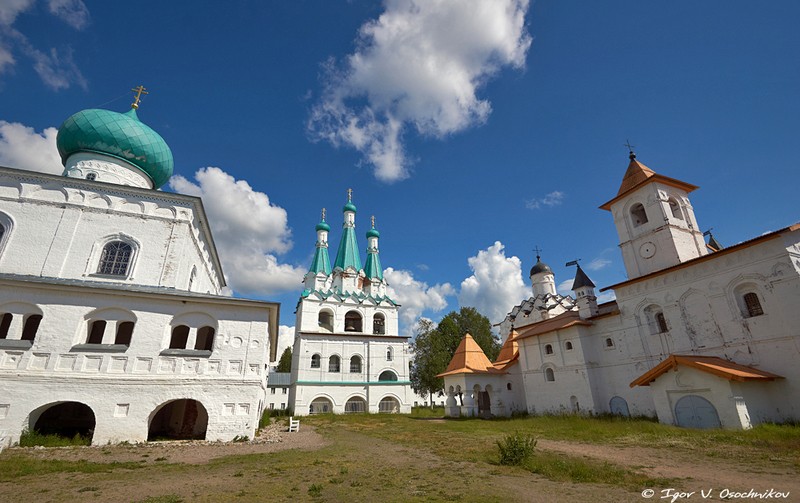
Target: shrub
(34,438)
(515,448)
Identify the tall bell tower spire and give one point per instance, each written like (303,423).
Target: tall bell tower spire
(347,267)
(654,219)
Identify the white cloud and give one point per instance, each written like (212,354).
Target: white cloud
(554,198)
(249,231)
(606,297)
(415,296)
(419,65)
(496,283)
(56,67)
(22,147)
(72,12)
(598,263)
(285,340)
(10,9)
(565,287)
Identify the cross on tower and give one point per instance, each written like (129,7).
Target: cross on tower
(631,153)
(372,219)
(349,195)
(139,92)
(538,252)
(323,214)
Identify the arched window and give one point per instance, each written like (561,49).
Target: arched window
(124,333)
(205,338)
(388,354)
(5,324)
(675,208)
(752,304)
(387,375)
(568,345)
(355,364)
(325,320)
(549,375)
(609,343)
(548,349)
(638,215)
(508,386)
(180,335)
(315,361)
(333,364)
(115,259)
(96,330)
(352,322)
(661,323)
(379,324)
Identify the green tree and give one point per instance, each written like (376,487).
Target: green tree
(285,363)
(434,347)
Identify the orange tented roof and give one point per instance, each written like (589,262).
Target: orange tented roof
(637,175)
(469,359)
(711,364)
(509,353)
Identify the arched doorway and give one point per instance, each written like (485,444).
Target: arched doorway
(66,419)
(619,407)
(694,411)
(179,420)
(355,404)
(484,401)
(389,405)
(320,406)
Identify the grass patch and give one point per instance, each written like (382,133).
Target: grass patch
(12,467)
(515,448)
(34,438)
(167,498)
(563,468)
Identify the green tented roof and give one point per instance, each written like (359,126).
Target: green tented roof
(373,269)
(321,262)
(347,255)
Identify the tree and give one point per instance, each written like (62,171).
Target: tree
(434,347)
(285,363)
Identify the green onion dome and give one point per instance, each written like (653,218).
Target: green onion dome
(373,233)
(323,226)
(118,135)
(349,207)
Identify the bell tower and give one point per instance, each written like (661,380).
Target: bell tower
(655,220)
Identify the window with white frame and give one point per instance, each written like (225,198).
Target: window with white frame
(355,364)
(334,364)
(315,361)
(549,375)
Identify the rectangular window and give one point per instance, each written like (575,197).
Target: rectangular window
(284,390)
(272,391)
(271,406)
(283,406)
(96,330)
(31,327)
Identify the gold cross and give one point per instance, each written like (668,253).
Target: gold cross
(323,214)
(349,195)
(139,92)
(372,219)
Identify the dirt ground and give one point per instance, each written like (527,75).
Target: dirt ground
(475,481)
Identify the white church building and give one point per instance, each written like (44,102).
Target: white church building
(113,322)
(699,335)
(348,355)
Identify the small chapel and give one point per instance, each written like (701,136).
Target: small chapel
(699,335)
(114,324)
(348,355)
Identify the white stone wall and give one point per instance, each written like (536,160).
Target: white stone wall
(59,226)
(308,314)
(125,386)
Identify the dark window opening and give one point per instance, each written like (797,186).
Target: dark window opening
(325,320)
(387,375)
(548,349)
(96,330)
(315,362)
(205,338)
(124,333)
(31,327)
(333,364)
(661,322)
(352,322)
(180,335)
(753,305)
(5,324)
(638,215)
(355,365)
(379,324)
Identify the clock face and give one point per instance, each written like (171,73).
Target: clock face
(647,250)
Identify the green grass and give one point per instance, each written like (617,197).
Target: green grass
(421,457)
(34,438)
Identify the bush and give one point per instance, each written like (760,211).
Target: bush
(515,448)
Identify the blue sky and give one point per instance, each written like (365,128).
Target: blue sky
(483,128)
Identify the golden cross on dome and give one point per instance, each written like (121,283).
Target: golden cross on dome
(323,214)
(139,92)
(349,195)
(372,219)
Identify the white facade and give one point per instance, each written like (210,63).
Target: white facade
(737,304)
(125,347)
(347,354)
